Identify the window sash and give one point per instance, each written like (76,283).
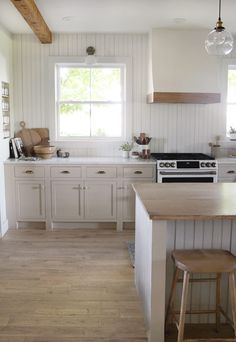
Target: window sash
(90,102)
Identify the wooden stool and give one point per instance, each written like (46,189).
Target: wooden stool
(202,261)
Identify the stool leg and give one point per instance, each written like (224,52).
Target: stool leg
(171,297)
(233,297)
(218,297)
(183,306)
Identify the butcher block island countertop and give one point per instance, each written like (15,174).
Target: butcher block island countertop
(179,201)
(179,216)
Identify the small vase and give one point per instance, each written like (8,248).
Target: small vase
(232,136)
(125,154)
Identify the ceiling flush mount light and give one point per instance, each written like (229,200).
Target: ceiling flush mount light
(90,59)
(219,41)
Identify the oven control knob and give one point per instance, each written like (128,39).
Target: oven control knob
(213,164)
(208,164)
(161,164)
(172,164)
(167,164)
(203,164)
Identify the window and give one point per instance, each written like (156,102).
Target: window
(90,101)
(231,97)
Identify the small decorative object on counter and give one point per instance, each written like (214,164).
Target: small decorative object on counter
(232,133)
(216,150)
(143,141)
(126,148)
(61,154)
(134,155)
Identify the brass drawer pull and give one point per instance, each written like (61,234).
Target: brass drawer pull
(65,172)
(138,172)
(101,172)
(29,172)
(231,171)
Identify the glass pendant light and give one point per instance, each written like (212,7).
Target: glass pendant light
(219,41)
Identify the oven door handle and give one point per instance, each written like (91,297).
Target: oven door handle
(180,173)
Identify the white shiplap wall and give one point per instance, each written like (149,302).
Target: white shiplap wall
(174,127)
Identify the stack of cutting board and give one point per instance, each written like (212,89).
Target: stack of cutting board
(33,136)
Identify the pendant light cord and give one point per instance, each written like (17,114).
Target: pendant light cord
(219,9)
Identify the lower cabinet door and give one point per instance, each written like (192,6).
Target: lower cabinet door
(100,200)
(30,200)
(67,201)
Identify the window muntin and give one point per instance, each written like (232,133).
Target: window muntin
(231,97)
(90,101)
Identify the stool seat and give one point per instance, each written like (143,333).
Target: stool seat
(204,260)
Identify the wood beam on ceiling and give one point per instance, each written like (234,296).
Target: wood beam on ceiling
(34,19)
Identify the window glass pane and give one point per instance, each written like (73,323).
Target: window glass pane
(105,84)
(74,84)
(231,86)
(74,120)
(106,120)
(231,116)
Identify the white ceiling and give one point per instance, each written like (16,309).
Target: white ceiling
(122,15)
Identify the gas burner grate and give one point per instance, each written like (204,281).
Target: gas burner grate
(181,156)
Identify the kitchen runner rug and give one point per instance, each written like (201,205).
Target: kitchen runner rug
(131,250)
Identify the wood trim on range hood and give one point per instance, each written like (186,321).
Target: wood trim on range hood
(164,97)
(34,19)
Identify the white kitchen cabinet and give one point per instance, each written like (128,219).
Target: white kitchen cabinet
(67,201)
(65,194)
(30,200)
(100,200)
(226,172)
(79,201)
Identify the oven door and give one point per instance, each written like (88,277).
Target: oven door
(188,176)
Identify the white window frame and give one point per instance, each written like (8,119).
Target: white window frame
(227,63)
(123,62)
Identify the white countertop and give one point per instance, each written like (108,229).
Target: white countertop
(226,160)
(84,160)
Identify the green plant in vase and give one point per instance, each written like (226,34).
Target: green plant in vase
(126,148)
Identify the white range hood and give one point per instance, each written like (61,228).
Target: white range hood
(180,69)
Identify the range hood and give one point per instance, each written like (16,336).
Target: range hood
(180,70)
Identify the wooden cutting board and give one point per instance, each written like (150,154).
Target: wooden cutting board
(33,136)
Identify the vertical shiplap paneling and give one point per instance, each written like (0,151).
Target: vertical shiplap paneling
(17,79)
(174,127)
(44,53)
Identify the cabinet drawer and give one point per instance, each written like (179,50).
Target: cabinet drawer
(227,171)
(101,172)
(139,172)
(65,172)
(29,171)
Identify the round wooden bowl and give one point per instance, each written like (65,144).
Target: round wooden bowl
(45,152)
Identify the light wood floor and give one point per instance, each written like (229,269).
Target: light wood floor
(67,286)
(72,286)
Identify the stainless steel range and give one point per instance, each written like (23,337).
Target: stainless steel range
(185,168)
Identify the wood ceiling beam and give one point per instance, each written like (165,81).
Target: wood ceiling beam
(34,19)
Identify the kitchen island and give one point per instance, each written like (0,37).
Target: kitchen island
(172,216)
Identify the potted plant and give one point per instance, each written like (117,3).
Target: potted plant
(232,133)
(126,148)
